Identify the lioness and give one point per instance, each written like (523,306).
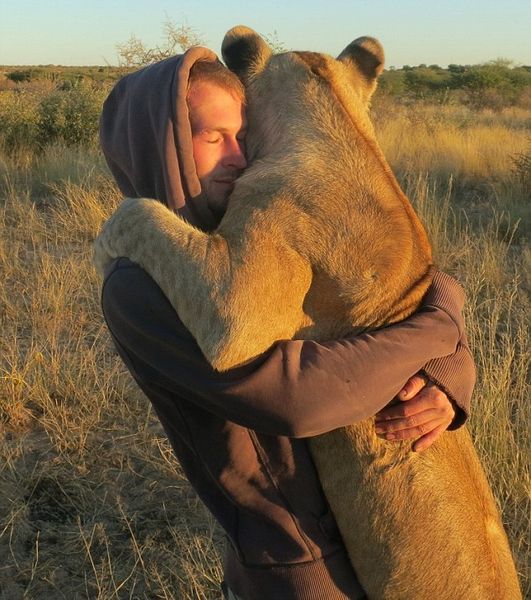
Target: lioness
(319,241)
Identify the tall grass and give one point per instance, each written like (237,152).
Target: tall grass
(92,502)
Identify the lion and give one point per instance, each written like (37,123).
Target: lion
(319,242)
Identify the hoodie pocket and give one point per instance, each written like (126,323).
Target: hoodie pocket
(290,518)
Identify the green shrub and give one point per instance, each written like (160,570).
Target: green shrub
(392,82)
(70,116)
(18,119)
(32,119)
(494,85)
(20,75)
(424,81)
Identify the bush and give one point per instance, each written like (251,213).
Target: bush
(70,116)
(392,83)
(494,85)
(18,119)
(425,81)
(20,75)
(32,119)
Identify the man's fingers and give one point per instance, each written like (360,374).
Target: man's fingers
(401,410)
(416,420)
(428,439)
(426,414)
(412,387)
(430,397)
(413,432)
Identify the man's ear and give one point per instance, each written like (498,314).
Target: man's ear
(366,56)
(244,52)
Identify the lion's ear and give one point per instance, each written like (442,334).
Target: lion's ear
(366,55)
(244,51)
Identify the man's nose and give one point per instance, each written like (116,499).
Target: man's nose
(235,156)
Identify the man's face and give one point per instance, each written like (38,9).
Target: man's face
(218,131)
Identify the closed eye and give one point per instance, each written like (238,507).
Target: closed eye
(211,137)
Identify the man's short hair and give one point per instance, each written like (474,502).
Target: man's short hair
(216,73)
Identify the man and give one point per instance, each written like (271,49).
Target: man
(175,132)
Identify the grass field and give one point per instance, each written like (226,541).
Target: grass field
(92,502)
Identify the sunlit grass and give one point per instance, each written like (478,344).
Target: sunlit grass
(92,502)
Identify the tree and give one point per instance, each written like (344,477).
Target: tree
(277,45)
(177,38)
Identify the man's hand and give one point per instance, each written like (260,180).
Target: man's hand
(424,410)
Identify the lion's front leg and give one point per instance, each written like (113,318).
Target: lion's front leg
(174,253)
(236,298)
(132,232)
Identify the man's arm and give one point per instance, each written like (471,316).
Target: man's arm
(298,388)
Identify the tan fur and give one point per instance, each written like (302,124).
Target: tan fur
(319,242)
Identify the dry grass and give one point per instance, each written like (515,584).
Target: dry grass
(92,503)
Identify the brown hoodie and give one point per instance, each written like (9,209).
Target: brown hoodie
(239,435)
(146,137)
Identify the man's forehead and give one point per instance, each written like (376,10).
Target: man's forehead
(206,91)
(212,107)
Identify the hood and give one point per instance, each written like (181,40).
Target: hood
(146,137)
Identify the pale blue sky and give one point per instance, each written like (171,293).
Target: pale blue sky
(412,31)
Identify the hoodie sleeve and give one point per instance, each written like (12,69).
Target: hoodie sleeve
(297,388)
(455,374)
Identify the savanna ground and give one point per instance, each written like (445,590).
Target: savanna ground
(92,502)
